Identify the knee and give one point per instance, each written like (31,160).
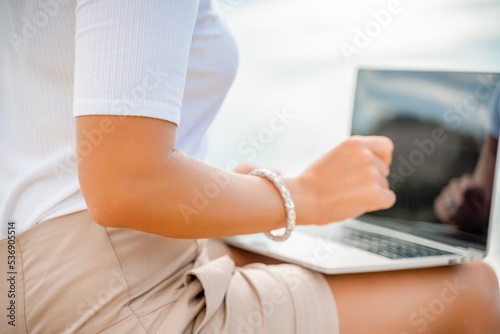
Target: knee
(480,306)
(482,280)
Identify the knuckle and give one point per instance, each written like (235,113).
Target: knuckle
(374,193)
(371,174)
(353,143)
(386,199)
(389,144)
(387,171)
(365,157)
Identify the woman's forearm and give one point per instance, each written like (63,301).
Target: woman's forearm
(186,198)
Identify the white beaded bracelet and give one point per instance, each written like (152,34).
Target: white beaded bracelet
(287,201)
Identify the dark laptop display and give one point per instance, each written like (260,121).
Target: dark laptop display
(439,123)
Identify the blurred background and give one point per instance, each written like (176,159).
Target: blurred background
(298,61)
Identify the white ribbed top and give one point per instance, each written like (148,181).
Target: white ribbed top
(168,59)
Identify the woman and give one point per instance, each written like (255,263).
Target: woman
(107,210)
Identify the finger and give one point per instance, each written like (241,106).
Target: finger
(452,200)
(441,210)
(465,183)
(456,189)
(386,199)
(442,202)
(384,182)
(381,166)
(382,147)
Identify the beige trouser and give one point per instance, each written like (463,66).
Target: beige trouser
(74,276)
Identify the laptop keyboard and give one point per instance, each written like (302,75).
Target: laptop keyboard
(383,245)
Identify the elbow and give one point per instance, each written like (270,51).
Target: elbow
(107,204)
(106,216)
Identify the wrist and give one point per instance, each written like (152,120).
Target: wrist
(306,201)
(286,197)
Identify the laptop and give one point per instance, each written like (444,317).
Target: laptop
(438,122)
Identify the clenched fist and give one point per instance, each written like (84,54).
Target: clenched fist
(346,182)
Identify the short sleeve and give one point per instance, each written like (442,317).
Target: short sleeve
(494,113)
(131,57)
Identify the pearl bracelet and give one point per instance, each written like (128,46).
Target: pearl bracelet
(287,201)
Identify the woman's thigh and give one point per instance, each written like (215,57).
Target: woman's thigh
(452,299)
(455,299)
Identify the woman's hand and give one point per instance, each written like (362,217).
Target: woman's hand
(462,203)
(346,182)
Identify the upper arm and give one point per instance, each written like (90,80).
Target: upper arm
(114,154)
(131,59)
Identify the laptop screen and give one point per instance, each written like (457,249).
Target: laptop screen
(445,144)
